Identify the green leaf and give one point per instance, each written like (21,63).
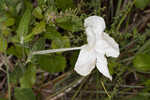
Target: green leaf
(141,62)
(40,27)
(17,51)
(39,44)
(52,33)
(37,12)
(3,44)
(16,74)
(9,22)
(62,42)
(52,64)
(70,23)
(64,4)
(24,94)
(142,3)
(29,77)
(22,29)
(6,31)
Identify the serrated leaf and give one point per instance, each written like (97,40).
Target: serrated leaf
(37,12)
(70,23)
(141,62)
(64,4)
(29,77)
(24,94)
(3,44)
(22,29)
(142,3)
(52,64)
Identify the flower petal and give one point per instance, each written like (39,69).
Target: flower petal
(101,65)
(113,48)
(86,61)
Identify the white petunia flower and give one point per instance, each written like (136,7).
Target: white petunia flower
(99,45)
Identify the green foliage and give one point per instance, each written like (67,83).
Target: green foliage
(18,51)
(3,44)
(16,74)
(37,12)
(64,4)
(39,28)
(24,94)
(142,63)
(62,42)
(52,64)
(29,77)
(22,29)
(70,23)
(142,3)
(39,44)
(9,21)
(58,41)
(52,33)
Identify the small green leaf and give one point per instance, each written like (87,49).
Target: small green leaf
(3,44)
(62,42)
(29,77)
(52,64)
(141,62)
(51,33)
(24,24)
(39,44)
(24,94)
(40,27)
(64,4)
(142,3)
(18,51)
(9,22)
(16,74)
(37,12)
(6,31)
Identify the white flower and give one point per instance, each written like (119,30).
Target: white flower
(99,45)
